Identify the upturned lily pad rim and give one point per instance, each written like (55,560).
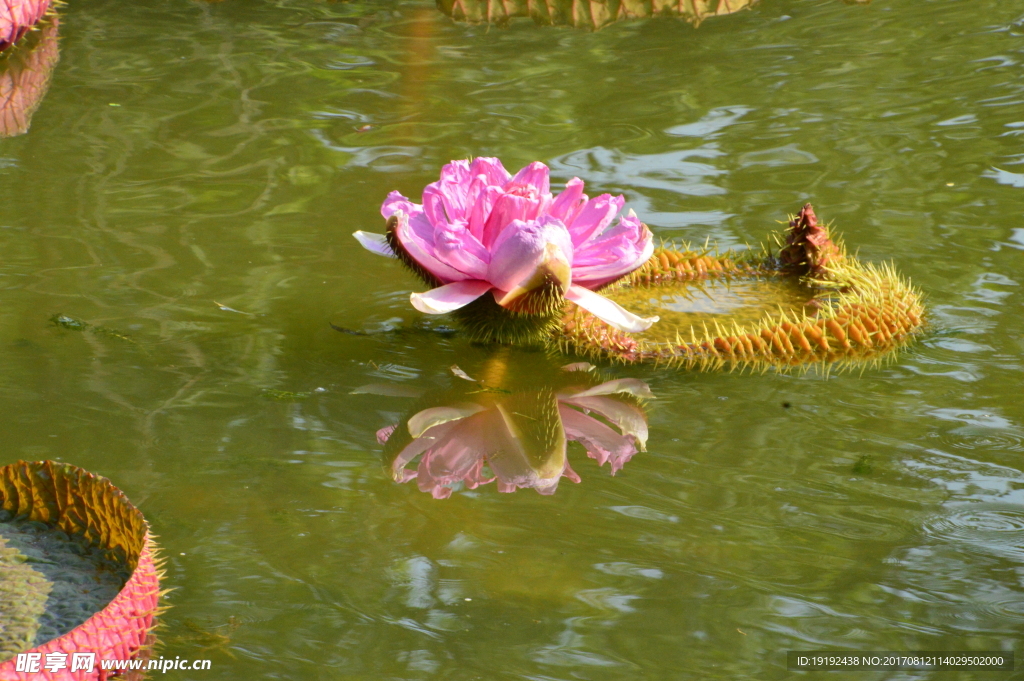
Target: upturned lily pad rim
(860,313)
(87,505)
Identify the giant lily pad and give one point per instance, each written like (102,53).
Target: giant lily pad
(807,302)
(77,570)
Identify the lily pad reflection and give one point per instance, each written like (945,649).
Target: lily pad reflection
(493,429)
(593,15)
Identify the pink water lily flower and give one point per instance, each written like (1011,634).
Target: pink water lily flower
(481,231)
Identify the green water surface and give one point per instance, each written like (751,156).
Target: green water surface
(188,189)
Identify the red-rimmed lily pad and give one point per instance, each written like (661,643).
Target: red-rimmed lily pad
(55,518)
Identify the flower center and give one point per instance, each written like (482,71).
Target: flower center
(526,192)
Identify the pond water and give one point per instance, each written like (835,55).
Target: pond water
(188,189)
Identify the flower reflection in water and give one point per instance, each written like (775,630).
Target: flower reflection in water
(17,17)
(516,435)
(25,78)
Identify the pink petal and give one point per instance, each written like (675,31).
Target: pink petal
(601,442)
(457,247)
(416,447)
(396,202)
(450,296)
(456,172)
(434,199)
(445,465)
(614,254)
(460,454)
(482,198)
(491,169)
(526,247)
(629,418)
(533,178)
(507,209)
(475,476)
(385,433)
(568,203)
(374,243)
(570,473)
(417,238)
(450,198)
(594,217)
(446,250)
(608,311)
(438,492)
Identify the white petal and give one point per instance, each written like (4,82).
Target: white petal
(632,386)
(450,296)
(608,311)
(374,243)
(435,416)
(461,374)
